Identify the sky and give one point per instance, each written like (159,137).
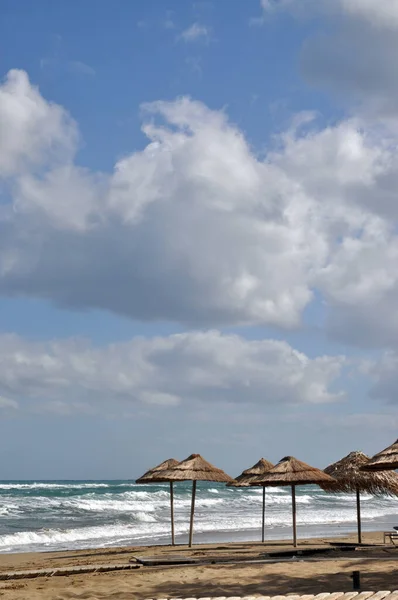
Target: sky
(198,233)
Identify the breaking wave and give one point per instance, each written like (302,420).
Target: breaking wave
(63,515)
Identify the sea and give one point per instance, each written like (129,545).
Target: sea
(65,515)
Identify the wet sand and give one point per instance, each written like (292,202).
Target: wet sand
(378,566)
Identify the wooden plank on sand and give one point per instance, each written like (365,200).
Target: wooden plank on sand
(154,561)
(66,571)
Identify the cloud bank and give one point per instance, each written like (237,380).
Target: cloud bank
(66,376)
(196,228)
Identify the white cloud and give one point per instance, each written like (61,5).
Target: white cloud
(355,54)
(383,13)
(383,372)
(196,228)
(154,227)
(356,63)
(33,131)
(195,32)
(7,403)
(352,172)
(65,376)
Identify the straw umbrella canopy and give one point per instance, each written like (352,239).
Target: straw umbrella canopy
(246,477)
(385,460)
(348,477)
(195,468)
(292,472)
(152,476)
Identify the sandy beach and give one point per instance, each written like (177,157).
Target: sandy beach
(377,564)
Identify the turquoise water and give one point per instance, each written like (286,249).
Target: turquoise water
(58,515)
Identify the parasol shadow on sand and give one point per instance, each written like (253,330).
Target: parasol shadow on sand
(292,472)
(152,476)
(247,477)
(386,460)
(195,468)
(349,477)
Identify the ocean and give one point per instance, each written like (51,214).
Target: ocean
(64,515)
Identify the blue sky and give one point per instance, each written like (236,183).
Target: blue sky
(198,240)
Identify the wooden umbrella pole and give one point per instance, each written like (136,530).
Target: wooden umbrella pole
(172,512)
(192,512)
(359,516)
(294,515)
(263,522)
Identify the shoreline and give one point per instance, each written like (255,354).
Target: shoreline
(250,536)
(248,573)
(206,540)
(375,538)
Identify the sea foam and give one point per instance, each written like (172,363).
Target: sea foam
(84,514)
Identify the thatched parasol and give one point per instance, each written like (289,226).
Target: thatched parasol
(195,468)
(290,471)
(244,479)
(348,477)
(152,476)
(386,460)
